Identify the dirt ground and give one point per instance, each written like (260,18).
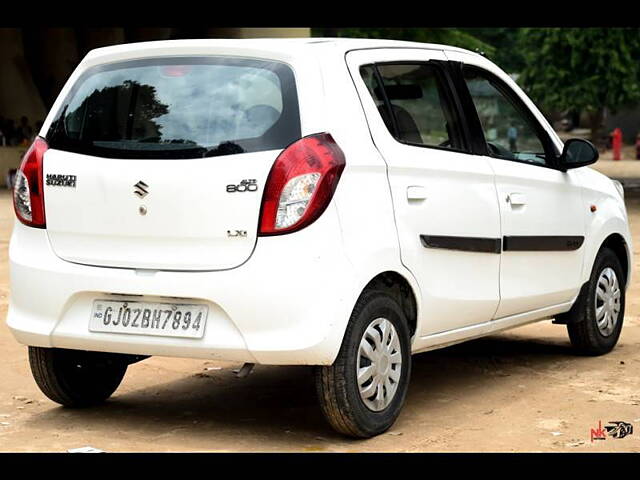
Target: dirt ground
(621,169)
(523,390)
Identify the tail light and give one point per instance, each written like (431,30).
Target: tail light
(301,184)
(28,193)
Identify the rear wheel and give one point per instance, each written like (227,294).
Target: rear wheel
(362,393)
(599,312)
(76,378)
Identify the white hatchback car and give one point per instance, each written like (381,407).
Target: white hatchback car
(340,203)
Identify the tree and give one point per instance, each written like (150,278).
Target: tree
(587,69)
(446,36)
(504,41)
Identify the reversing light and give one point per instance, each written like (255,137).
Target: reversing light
(301,184)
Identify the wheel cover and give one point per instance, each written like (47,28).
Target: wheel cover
(607,301)
(379,364)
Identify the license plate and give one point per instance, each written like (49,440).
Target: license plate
(143,318)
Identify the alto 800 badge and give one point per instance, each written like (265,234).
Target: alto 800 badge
(56,180)
(247,185)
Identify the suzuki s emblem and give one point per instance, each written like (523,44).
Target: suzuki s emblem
(140,189)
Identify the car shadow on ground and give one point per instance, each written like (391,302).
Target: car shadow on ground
(280,402)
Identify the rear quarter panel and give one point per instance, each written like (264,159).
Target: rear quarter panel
(363,197)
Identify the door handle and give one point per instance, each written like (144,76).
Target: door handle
(416,192)
(517,199)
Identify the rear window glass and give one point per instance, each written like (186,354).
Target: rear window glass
(179,108)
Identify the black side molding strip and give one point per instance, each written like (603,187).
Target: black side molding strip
(467,244)
(539,243)
(542,243)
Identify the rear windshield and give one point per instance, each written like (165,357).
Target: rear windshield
(179,107)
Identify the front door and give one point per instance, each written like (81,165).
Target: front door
(541,207)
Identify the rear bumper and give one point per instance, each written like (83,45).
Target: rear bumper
(287,305)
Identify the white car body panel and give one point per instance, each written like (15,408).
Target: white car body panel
(249,320)
(287,299)
(105,227)
(551,202)
(464,292)
(610,218)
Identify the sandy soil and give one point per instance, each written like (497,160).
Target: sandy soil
(519,391)
(621,169)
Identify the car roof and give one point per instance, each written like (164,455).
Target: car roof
(339,45)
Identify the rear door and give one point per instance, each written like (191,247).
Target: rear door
(444,198)
(541,207)
(168,156)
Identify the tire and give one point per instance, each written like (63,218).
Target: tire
(337,385)
(586,336)
(76,378)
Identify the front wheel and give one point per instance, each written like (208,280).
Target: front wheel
(362,393)
(599,311)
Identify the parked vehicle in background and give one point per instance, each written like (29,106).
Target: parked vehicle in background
(337,203)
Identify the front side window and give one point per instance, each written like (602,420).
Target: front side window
(413,104)
(179,107)
(507,131)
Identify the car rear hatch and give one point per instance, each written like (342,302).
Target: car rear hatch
(160,163)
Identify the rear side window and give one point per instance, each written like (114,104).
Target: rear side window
(371,80)
(179,107)
(414,103)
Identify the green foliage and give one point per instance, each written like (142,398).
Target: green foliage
(447,36)
(504,41)
(578,69)
(581,68)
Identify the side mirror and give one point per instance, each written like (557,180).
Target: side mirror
(578,152)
